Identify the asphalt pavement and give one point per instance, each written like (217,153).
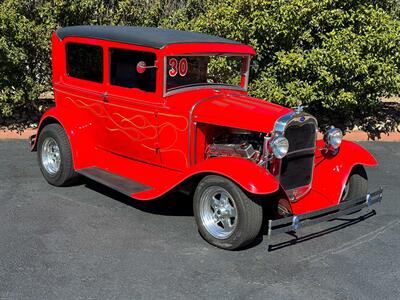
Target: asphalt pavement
(87,241)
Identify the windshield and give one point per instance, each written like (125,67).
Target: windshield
(205,70)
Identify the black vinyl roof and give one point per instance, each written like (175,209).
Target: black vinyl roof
(143,36)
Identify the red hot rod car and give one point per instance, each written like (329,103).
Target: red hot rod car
(148,110)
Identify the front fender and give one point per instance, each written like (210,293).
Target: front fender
(250,176)
(79,129)
(245,173)
(330,175)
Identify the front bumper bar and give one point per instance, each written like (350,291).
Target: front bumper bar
(296,222)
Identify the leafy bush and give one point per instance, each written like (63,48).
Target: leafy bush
(24,60)
(337,57)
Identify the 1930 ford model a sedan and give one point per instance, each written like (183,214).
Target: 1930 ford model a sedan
(147,110)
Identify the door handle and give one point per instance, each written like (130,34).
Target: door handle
(105,95)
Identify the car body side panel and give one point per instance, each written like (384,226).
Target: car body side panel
(173,139)
(331,174)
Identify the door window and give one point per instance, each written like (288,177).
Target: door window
(85,61)
(124,69)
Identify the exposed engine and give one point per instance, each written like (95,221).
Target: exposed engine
(236,143)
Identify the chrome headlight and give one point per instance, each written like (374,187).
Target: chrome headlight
(333,138)
(279,146)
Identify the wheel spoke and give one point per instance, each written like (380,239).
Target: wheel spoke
(231,212)
(226,224)
(224,199)
(215,217)
(215,203)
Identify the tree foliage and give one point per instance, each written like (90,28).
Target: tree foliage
(337,57)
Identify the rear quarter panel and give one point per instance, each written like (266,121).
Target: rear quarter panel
(80,129)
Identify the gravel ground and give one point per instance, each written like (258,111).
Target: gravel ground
(87,241)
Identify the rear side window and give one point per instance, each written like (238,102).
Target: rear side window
(124,72)
(85,62)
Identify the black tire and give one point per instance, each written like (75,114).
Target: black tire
(66,174)
(357,184)
(248,210)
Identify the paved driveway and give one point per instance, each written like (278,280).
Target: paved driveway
(89,242)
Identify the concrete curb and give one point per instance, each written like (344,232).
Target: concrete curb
(14,135)
(355,136)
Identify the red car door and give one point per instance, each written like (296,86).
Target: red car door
(131,105)
(82,88)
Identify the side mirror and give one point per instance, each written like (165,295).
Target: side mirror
(141,67)
(255,66)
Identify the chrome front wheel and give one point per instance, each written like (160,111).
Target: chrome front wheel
(218,212)
(226,216)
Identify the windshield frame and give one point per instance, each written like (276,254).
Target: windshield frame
(245,75)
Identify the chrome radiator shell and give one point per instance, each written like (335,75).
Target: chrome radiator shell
(295,170)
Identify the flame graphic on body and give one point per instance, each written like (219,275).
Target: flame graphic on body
(137,128)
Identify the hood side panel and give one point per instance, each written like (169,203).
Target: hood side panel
(239,112)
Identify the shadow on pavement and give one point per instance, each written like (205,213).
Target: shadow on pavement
(171,204)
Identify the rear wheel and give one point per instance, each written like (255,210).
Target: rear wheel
(357,184)
(226,217)
(54,155)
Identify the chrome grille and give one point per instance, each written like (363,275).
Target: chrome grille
(296,168)
(300,137)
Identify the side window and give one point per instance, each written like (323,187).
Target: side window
(85,61)
(124,71)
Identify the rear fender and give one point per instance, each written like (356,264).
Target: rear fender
(80,132)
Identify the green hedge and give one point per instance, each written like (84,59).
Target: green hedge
(337,57)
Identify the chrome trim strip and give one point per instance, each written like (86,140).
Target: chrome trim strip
(165,77)
(247,74)
(111,97)
(59,88)
(301,150)
(285,120)
(194,141)
(202,87)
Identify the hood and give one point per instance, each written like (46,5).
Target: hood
(239,112)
